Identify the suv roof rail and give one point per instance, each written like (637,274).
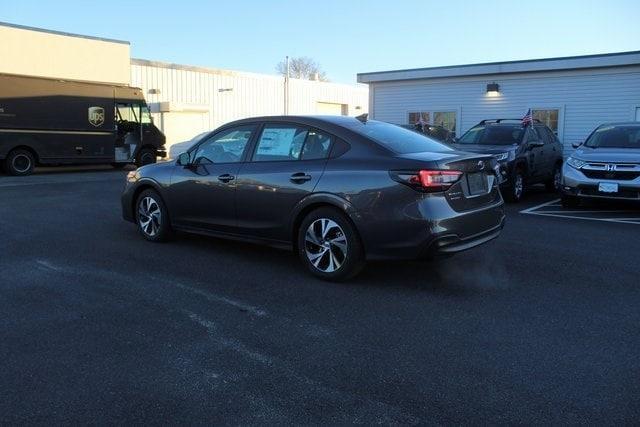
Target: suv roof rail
(503,120)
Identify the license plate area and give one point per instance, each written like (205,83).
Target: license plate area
(608,187)
(477,183)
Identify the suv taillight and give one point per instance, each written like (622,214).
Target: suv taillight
(428,180)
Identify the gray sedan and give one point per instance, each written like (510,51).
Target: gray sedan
(337,190)
(606,166)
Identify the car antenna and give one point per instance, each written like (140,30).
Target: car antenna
(363,117)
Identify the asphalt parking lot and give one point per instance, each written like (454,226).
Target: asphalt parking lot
(98,326)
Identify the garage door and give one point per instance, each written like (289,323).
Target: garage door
(331,109)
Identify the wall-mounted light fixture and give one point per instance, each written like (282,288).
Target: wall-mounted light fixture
(493,89)
(225,89)
(154,91)
(358,107)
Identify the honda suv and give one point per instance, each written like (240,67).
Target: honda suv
(527,154)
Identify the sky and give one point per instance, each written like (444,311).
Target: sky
(345,37)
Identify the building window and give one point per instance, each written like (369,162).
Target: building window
(446,119)
(415,117)
(547,117)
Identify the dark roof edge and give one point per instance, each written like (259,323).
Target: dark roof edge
(62,33)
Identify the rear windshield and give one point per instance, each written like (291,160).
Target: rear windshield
(399,140)
(493,135)
(615,137)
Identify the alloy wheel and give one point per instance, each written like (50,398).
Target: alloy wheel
(518,186)
(325,245)
(557,177)
(149,216)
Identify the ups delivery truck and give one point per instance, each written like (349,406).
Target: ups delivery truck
(58,122)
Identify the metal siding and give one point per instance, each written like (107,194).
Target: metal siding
(252,95)
(586,98)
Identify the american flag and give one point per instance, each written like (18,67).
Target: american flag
(528,118)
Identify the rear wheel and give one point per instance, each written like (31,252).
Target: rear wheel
(19,163)
(146,156)
(553,184)
(516,189)
(329,245)
(152,217)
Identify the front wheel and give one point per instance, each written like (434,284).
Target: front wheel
(553,184)
(152,217)
(329,245)
(516,189)
(146,156)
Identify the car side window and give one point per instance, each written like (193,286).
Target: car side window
(316,146)
(280,142)
(532,135)
(544,135)
(226,146)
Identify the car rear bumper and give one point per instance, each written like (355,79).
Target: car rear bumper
(440,231)
(575,183)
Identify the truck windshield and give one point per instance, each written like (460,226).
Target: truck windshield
(615,137)
(128,112)
(493,135)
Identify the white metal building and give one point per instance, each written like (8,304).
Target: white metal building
(572,95)
(188,100)
(185,100)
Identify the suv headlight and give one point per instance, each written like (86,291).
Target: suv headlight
(576,163)
(502,156)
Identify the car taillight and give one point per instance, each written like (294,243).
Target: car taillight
(429,180)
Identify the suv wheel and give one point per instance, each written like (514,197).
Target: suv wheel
(516,189)
(553,184)
(19,163)
(329,246)
(152,217)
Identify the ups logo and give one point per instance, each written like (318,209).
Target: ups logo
(96,116)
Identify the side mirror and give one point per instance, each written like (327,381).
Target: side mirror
(576,144)
(184,159)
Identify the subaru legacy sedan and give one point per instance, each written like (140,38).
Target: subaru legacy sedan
(606,166)
(336,190)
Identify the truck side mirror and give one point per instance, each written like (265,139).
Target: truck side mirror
(184,159)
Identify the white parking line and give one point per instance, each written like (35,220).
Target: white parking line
(529,210)
(575,214)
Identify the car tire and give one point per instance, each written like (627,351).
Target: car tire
(570,201)
(146,156)
(515,190)
(152,217)
(553,184)
(329,246)
(19,163)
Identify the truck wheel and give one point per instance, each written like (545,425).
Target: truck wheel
(329,246)
(146,156)
(19,163)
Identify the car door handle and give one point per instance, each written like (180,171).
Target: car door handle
(300,177)
(226,177)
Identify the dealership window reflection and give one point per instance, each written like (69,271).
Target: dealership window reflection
(547,117)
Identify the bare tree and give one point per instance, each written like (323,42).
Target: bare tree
(302,68)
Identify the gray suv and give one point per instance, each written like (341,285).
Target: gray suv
(526,154)
(337,190)
(606,166)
